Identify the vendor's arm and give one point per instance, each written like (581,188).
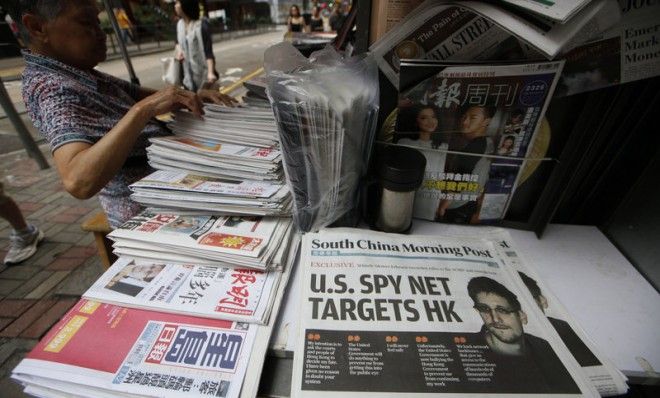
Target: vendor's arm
(86,168)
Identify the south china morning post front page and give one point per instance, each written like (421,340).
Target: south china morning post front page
(410,315)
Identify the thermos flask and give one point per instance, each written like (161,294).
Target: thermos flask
(401,173)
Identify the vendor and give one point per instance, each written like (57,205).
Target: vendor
(98,126)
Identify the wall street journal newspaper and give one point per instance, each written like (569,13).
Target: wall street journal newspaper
(479,31)
(106,350)
(421,315)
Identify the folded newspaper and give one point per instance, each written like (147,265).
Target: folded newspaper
(228,161)
(103,350)
(626,52)
(557,10)
(248,126)
(233,241)
(480,31)
(66,363)
(179,189)
(235,294)
(450,309)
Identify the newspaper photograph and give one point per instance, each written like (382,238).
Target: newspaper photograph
(408,316)
(152,353)
(475,125)
(235,294)
(602,373)
(627,52)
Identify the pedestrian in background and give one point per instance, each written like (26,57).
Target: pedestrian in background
(24,237)
(296,22)
(125,24)
(194,48)
(316,21)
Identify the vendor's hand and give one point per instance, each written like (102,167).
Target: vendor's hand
(170,99)
(216,97)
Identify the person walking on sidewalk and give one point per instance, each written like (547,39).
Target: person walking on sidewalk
(24,238)
(194,48)
(98,126)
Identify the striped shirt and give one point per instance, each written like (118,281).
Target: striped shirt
(67,104)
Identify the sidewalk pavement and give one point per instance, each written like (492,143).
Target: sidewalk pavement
(36,293)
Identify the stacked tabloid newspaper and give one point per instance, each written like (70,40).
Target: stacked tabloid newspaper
(247,126)
(454,310)
(161,329)
(473,31)
(231,241)
(226,163)
(237,294)
(182,190)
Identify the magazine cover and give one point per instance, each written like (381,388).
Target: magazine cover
(475,124)
(399,315)
(236,294)
(143,352)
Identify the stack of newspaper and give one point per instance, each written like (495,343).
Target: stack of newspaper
(464,315)
(181,190)
(210,158)
(227,241)
(250,126)
(162,341)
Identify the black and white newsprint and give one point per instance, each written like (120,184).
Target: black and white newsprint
(394,315)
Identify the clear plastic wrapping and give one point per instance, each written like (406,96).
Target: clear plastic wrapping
(326,108)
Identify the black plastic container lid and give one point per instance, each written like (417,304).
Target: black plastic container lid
(402,169)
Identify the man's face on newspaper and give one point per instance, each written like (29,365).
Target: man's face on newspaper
(501,320)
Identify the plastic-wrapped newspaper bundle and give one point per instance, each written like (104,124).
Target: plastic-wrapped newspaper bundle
(326,110)
(449,308)
(231,241)
(181,190)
